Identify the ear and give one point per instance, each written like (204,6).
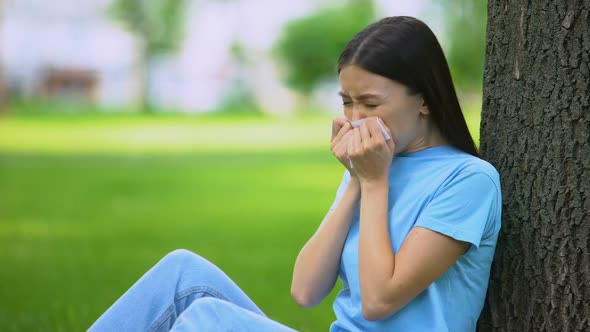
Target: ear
(424,110)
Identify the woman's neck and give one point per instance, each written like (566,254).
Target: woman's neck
(431,137)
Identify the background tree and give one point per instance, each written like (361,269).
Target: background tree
(465,32)
(239,96)
(536,131)
(309,47)
(159,26)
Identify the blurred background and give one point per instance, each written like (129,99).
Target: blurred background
(131,128)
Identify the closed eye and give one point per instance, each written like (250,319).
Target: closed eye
(370,106)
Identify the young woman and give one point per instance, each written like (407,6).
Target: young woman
(413,228)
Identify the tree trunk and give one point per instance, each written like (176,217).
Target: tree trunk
(3,93)
(304,103)
(536,131)
(144,73)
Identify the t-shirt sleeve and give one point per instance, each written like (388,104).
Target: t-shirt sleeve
(465,209)
(341,189)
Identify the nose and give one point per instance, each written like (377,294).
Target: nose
(357,113)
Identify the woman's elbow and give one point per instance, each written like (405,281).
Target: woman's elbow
(303,299)
(371,315)
(375,310)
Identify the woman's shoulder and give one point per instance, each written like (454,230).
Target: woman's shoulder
(464,161)
(475,165)
(463,166)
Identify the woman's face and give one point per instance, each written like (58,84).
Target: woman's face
(365,94)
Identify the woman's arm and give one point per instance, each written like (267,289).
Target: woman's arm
(389,281)
(316,268)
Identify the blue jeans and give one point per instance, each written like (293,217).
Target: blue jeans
(185,292)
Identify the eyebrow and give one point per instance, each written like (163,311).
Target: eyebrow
(364,96)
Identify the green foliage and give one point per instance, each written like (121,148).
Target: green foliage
(159,23)
(238,52)
(309,47)
(466,33)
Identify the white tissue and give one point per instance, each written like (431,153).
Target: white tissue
(357,124)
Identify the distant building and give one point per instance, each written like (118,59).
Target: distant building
(43,42)
(68,84)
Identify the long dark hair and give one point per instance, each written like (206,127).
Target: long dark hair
(405,50)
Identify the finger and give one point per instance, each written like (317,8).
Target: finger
(349,145)
(383,126)
(391,145)
(346,127)
(374,130)
(355,142)
(365,133)
(343,141)
(340,153)
(345,159)
(337,124)
(341,149)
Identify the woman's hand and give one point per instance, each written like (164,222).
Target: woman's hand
(341,136)
(370,153)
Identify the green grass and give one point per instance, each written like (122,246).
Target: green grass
(89,202)
(77,231)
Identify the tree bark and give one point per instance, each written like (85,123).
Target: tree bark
(536,131)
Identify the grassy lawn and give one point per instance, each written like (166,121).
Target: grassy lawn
(89,203)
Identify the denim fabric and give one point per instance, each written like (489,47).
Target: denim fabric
(185,292)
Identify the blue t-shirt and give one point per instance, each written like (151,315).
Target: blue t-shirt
(450,192)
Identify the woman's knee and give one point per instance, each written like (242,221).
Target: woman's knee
(179,254)
(187,259)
